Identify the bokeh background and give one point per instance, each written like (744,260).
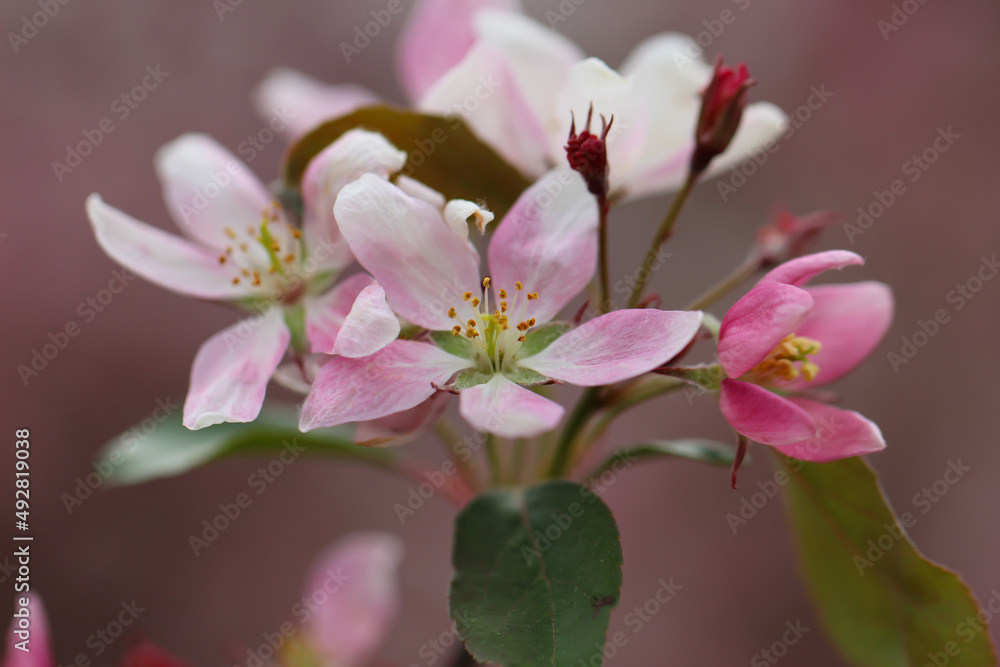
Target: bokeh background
(890,96)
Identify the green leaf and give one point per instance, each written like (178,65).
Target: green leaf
(696,449)
(443,153)
(151,451)
(537,573)
(459,345)
(539,338)
(880,600)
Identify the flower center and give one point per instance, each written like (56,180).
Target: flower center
(493,334)
(788,361)
(270,254)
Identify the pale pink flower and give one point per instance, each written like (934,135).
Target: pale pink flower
(241,247)
(519,84)
(782,338)
(352,597)
(490,332)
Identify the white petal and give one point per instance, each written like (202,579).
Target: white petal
(457,213)
(370,326)
(509,410)
(418,190)
(294,103)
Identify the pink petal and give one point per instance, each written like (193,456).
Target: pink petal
(294,103)
(437,34)
(161,258)
(402,427)
(325,314)
(484,91)
(508,410)
(841,433)
(232,369)
(208,189)
(763,416)
(801,270)
(850,321)
(357,152)
(548,242)
(354,592)
(404,242)
(370,326)
(398,377)
(757,323)
(418,190)
(39,648)
(616,346)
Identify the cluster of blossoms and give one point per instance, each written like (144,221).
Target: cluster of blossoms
(385,347)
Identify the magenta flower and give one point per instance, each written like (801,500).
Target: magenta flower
(33,651)
(781,338)
(490,335)
(242,248)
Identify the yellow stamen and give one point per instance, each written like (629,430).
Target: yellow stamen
(780,364)
(452,312)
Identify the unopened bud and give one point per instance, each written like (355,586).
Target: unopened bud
(722,104)
(588,154)
(788,236)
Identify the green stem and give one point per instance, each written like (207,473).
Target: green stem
(588,403)
(662,234)
(451,437)
(604,207)
(495,458)
(726,285)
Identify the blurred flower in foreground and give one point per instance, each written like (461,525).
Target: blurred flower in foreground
(491,332)
(244,248)
(782,337)
(37,652)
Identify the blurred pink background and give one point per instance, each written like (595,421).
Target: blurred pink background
(890,97)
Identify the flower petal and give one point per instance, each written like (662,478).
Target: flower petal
(353,592)
(617,346)
(294,103)
(484,91)
(39,653)
(801,270)
(763,416)
(402,427)
(438,33)
(548,242)
(508,410)
(325,314)
(849,321)
(457,213)
(757,323)
(167,260)
(418,190)
(762,124)
(355,153)
(398,377)
(207,189)
(422,265)
(232,369)
(841,433)
(370,326)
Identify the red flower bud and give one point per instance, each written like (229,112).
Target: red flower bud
(788,236)
(588,154)
(147,654)
(722,104)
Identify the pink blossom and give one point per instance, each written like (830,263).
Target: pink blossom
(782,338)
(242,248)
(491,337)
